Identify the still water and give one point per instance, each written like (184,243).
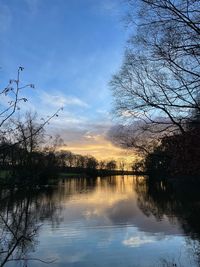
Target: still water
(111,221)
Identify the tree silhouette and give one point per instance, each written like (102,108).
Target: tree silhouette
(158,83)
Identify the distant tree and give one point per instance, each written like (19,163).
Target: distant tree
(111,165)
(91,163)
(52,143)
(122,164)
(80,161)
(102,164)
(138,166)
(69,159)
(61,156)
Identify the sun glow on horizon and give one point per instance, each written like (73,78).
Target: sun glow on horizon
(101,149)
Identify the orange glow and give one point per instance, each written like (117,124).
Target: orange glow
(101,149)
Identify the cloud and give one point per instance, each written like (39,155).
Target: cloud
(98,147)
(108,7)
(86,137)
(4,101)
(5,18)
(91,136)
(32,5)
(59,100)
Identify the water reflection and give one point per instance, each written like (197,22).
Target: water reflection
(21,215)
(179,202)
(112,221)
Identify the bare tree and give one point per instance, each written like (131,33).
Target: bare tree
(12,97)
(102,165)
(111,165)
(9,126)
(132,137)
(158,83)
(122,164)
(91,163)
(28,132)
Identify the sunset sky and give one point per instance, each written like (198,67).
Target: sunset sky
(69,49)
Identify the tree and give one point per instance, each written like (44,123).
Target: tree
(158,83)
(69,158)
(29,132)
(91,163)
(122,164)
(12,98)
(29,135)
(80,161)
(132,136)
(102,164)
(111,165)
(138,166)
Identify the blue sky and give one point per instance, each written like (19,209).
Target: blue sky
(69,49)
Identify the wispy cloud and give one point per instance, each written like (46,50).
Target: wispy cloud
(111,7)
(59,100)
(5,17)
(32,5)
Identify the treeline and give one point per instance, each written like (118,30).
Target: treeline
(45,162)
(67,159)
(28,155)
(48,160)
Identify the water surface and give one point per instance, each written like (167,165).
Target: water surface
(112,221)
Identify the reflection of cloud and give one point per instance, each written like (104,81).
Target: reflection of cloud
(77,257)
(65,257)
(92,213)
(127,212)
(138,241)
(113,202)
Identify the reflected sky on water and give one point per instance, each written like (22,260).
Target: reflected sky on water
(113,221)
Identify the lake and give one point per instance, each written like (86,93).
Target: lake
(112,221)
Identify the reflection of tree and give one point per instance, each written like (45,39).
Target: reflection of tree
(148,196)
(20,215)
(177,202)
(18,232)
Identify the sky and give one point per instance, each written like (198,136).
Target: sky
(70,49)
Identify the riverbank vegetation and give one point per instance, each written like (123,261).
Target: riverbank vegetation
(42,163)
(156,90)
(28,155)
